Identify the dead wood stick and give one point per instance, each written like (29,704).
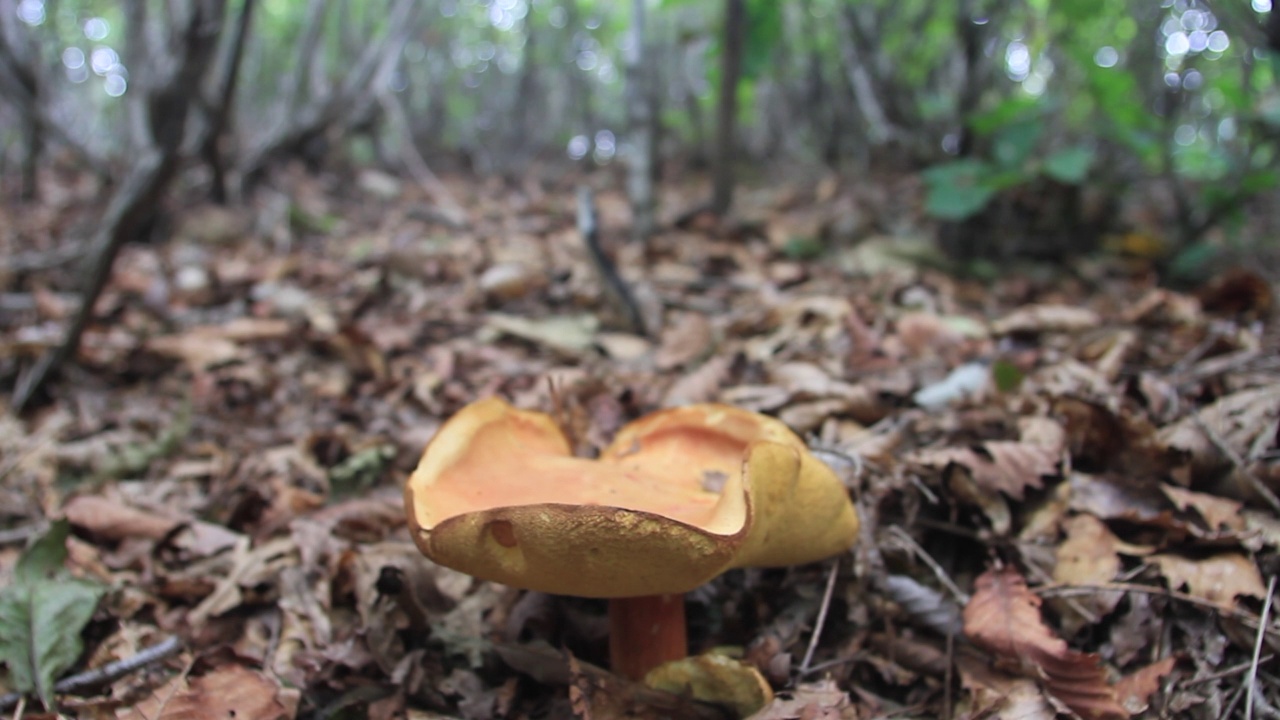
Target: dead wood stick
(1251,679)
(417,165)
(99,676)
(1241,465)
(130,206)
(615,288)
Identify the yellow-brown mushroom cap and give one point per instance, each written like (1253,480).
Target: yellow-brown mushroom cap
(680,496)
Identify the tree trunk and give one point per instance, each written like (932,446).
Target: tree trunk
(219,113)
(640,120)
(735,23)
(163,97)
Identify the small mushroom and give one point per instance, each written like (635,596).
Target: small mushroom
(680,496)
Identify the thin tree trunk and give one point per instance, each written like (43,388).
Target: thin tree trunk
(220,113)
(640,112)
(163,98)
(735,22)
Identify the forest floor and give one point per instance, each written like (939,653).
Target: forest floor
(1067,481)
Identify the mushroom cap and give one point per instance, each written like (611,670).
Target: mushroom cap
(680,496)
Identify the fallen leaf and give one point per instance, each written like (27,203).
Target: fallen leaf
(229,691)
(822,700)
(970,380)
(1218,579)
(1089,555)
(42,612)
(113,520)
(686,339)
(700,385)
(1046,318)
(1135,689)
(999,465)
(1245,422)
(716,679)
(1003,618)
(996,694)
(1219,513)
(565,334)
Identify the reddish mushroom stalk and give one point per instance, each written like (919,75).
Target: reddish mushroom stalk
(645,632)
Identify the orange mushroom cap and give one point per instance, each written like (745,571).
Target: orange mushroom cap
(680,496)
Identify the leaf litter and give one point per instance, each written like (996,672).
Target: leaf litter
(1067,487)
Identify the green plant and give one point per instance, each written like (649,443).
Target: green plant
(962,188)
(42,611)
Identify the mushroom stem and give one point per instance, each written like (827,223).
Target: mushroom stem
(645,632)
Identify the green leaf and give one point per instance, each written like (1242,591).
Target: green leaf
(1069,165)
(42,613)
(1005,113)
(1007,376)
(802,248)
(957,190)
(45,557)
(1013,144)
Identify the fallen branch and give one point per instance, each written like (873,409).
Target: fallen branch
(417,166)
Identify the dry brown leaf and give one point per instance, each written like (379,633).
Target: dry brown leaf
(701,384)
(1046,318)
(1247,422)
(1135,689)
(1218,579)
(113,520)
(199,351)
(996,694)
(1003,618)
(249,568)
(1219,513)
(822,700)
(1089,556)
(999,465)
(685,340)
(1123,498)
(229,691)
(805,417)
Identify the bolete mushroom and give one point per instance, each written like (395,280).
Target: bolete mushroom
(680,496)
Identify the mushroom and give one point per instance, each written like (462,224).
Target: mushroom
(680,496)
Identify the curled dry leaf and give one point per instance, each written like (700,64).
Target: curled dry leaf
(1246,422)
(1218,579)
(999,465)
(230,691)
(1046,318)
(699,385)
(1219,513)
(992,693)
(1089,556)
(821,700)
(1135,689)
(1003,618)
(684,341)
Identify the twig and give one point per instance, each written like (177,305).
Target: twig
(946,682)
(1063,590)
(909,543)
(1252,677)
(21,534)
(1240,464)
(91,679)
(174,690)
(1233,670)
(822,617)
(416,165)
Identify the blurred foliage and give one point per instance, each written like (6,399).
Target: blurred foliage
(989,95)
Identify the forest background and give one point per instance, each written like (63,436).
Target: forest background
(1009,263)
